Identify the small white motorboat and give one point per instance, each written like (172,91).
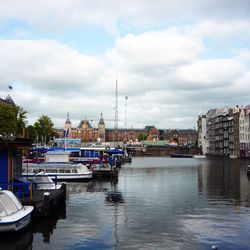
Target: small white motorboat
(199,156)
(13,215)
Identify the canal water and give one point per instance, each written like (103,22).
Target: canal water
(157,203)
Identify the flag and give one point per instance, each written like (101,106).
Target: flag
(66,132)
(10,87)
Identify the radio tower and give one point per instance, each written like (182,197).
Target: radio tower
(125,120)
(116,112)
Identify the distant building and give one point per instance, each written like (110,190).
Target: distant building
(227,131)
(202,133)
(122,136)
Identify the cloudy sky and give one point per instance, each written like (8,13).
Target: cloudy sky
(172,59)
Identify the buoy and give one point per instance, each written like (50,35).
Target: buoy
(214,247)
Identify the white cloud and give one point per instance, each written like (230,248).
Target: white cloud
(48,65)
(172,59)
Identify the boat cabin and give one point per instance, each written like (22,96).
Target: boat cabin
(11,151)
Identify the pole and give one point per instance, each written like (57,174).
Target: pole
(116,111)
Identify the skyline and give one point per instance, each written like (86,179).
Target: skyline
(172,60)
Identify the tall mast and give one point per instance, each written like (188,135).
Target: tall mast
(125,120)
(116,111)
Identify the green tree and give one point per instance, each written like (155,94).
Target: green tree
(31,133)
(21,121)
(44,128)
(142,137)
(8,119)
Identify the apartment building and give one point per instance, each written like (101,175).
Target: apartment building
(227,132)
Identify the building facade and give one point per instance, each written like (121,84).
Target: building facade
(122,136)
(227,131)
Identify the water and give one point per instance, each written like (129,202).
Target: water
(162,203)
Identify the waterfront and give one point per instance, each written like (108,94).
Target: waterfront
(167,203)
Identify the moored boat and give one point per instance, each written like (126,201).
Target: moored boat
(57,166)
(59,171)
(102,169)
(13,215)
(233,156)
(199,156)
(180,156)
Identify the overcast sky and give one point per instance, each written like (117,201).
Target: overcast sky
(173,59)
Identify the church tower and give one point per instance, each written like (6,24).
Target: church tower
(67,126)
(101,129)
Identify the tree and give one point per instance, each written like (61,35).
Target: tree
(8,119)
(31,133)
(21,121)
(142,137)
(44,128)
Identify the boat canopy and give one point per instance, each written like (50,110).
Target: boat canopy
(9,204)
(115,151)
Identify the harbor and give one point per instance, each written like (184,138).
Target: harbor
(156,201)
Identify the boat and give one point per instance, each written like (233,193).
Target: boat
(103,169)
(58,167)
(59,171)
(199,156)
(13,215)
(180,156)
(233,156)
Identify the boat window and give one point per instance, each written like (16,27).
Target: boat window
(2,211)
(9,205)
(67,171)
(61,170)
(74,171)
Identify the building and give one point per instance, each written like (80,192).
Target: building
(122,136)
(183,137)
(227,130)
(236,135)
(202,133)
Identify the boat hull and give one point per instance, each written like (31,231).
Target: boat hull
(16,222)
(66,177)
(59,171)
(199,156)
(180,156)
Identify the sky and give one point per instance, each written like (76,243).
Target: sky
(172,59)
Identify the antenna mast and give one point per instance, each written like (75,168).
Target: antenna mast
(116,111)
(125,123)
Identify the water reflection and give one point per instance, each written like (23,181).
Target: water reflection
(225,179)
(17,241)
(157,203)
(46,225)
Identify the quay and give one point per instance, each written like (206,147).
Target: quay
(154,150)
